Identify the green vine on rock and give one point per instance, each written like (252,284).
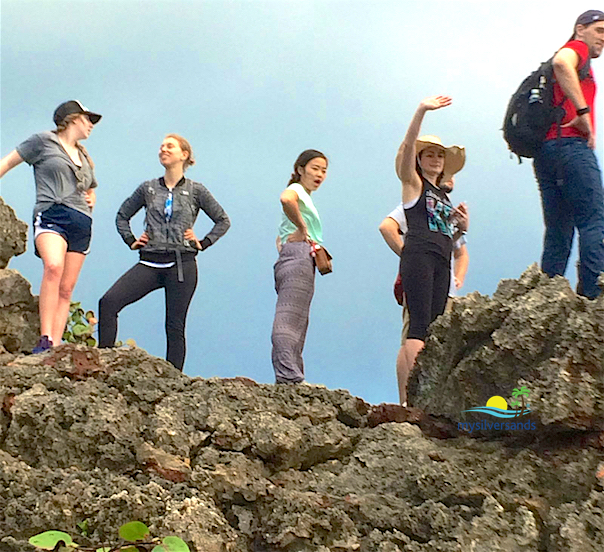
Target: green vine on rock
(131,532)
(80,325)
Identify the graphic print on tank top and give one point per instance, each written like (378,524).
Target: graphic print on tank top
(439,214)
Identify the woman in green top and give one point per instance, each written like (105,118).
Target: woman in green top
(295,268)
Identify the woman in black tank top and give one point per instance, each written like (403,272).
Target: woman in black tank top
(423,164)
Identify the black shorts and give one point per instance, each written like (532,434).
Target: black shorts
(74,227)
(426,280)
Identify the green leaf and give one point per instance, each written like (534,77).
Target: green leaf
(129,549)
(175,544)
(80,329)
(133,531)
(91,342)
(89,314)
(49,539)
(83,526)
(103,549)
(159,548)
(75,305)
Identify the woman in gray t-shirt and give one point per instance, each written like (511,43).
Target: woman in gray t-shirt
(65,197)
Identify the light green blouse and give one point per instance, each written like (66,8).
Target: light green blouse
(309,214)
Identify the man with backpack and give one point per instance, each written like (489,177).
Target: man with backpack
(566,168)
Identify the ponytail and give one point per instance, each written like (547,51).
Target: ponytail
(85,154)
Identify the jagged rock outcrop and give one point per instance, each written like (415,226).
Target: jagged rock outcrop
(230,465)
(534,332)
(19,322)
(13,234)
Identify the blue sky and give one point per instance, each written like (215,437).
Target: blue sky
(251,84)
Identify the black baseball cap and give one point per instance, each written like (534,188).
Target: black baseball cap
(590,16)
(73,106)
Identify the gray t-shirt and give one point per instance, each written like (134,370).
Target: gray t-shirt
(58,178)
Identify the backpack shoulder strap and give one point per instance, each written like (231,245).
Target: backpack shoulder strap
(584,71)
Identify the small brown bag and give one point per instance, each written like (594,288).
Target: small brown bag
(322,259)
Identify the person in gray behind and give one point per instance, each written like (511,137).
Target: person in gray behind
(295,268)
(566,167)
(393,229)
(168,246)
(65,197)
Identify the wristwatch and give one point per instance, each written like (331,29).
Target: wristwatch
(583,111)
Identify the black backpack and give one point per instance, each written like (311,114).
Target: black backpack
(531,110)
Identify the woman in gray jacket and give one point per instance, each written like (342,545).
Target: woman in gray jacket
(167,247)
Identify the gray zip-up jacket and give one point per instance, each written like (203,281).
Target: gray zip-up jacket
(165,237)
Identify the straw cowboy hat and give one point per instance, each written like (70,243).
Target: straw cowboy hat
(455,156)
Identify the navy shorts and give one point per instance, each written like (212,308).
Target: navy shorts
(74,227)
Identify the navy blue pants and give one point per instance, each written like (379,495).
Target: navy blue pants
(570,183)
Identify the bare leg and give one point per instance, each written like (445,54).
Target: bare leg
(402,374)
(52,248)
(71,271)
(402,371)
(408,352)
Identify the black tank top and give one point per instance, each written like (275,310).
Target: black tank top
(429,224)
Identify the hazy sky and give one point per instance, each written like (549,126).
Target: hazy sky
(251,84)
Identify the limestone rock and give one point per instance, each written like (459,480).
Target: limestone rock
(111,436)
(13,234)
(19,322)
(534,333)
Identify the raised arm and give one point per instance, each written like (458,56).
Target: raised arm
(10,162)
(405,158)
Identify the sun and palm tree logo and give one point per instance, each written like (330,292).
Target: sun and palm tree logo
(522,392)
(498,406)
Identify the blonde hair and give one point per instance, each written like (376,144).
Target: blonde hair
(62,126)
(184,146)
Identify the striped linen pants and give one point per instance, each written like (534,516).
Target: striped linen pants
(295,285)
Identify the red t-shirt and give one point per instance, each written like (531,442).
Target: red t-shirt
(588,86)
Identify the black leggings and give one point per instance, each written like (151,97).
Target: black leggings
(426,280)
(138,282)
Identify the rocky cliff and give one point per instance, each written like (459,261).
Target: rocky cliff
(110,436)
(19,323)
